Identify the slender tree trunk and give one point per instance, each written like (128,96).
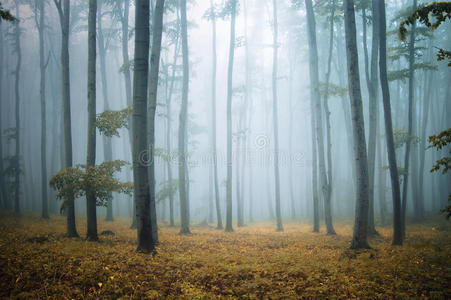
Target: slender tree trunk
(42,67)
(314,82)
(184,204)
(328,212)
(359,239)
(16,89)
(397,232)
(382,179)
(410,123)
(213,113)
(426,104)
(371,81)
(275,117)
(3,192)
(153,94)
(140,84)
(107,147)
(91,147)
(63,7)
(229,227)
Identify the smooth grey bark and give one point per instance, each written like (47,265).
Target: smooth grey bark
(139,128)
(42,67)
(157,33)
(372,79)
(3,193)
(213,120)
(18,51)
(276,117)
(410,123)
(184,204)
(63,7)
(327,204)
(169,128)
(107,147)
(381,180)
(314,83)
(311,33)
(397,232)
(229,227)
(359,239)
(426,105)
(91,213)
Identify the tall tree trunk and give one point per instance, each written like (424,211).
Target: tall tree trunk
(3,192)
(16,89)
(426,104)
(91,214)
(157,29)
(213,120)
(229,227)
(184,205)
(371,82)
(359,239)
(397,233)
(275,117)
(139,128)
(107,147)
(327,204)
(314,82)
(64,15)
(382,179)
(42,66)
(410,123)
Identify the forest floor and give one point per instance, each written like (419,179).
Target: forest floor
(38,261)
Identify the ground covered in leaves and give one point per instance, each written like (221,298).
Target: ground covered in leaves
(37,261)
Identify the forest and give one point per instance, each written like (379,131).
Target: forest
(225,149)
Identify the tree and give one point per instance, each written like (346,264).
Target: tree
(18,51)
(231,5)
(397,233)
(314,85)
(153,92)
(40,24)
(139,128)
(184,204)
(212,17)
(359,239)
(3,193)
(63,7)
(275,117)
(371,76)
(91,147)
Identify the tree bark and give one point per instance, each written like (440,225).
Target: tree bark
(17,95)
(359,239)
(229,227)
(184,205)
(3,192)
(275,117)
(213,124)
(91,214)
(314,82)
(141,154)
(397,232)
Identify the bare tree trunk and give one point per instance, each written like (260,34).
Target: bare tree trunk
(371,82)
(410,123)
(213,125)
(42,66)
(382,179)
(397,231)
(3,193)
(184,204)
(140,84)
(91,214)
(16,89)
(275,117)
(314,82)
(229,227)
